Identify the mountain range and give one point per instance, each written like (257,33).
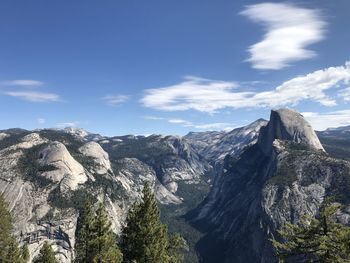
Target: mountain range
(226,192)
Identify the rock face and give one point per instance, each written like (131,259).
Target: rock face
(264,175)
(285,175)
(67,171)
(287,124)
(100,158)
(46,176)
(214,146)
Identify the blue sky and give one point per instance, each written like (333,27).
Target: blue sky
(159,66)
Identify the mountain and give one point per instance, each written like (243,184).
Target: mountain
(234,186)
(282,177)
(336,141)
(46,175)
(214,146)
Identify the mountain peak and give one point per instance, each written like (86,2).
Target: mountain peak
(290,125)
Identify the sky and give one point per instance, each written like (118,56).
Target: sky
(169,67)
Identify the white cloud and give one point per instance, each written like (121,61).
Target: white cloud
(185,123)
(41,120)
(345,94)
(182,122)
(289,30)
(23,82)
(67,124)
(34,96)
(216,126)
(211,95)
(322,121)
(115,100)
(155,118)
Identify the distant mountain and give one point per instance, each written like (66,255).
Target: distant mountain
(282,177)
(336,141)
(214,146)
(260,176)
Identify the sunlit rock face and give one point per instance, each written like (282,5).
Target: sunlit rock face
(68,172)
(282,177)
(99,156)
(287,124)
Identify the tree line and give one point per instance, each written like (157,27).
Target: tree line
(144,239)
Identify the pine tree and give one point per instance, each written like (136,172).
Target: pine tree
(10,250)
(46,255)
(83,249)
(104,240)
(95,240)
(145,239)
(319,239)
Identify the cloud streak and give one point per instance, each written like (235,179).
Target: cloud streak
(322,121)
(23,83)
(185,123)
(211,95)
(115,100)
(34,96)
(289,30)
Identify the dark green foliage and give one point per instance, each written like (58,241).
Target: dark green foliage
(9,247)
(319,239)
(72,199)
(83,250)
(46,255)
(14,138)
(30,168)
(285,175)
(340,183)
(109,186)
(145,239)
(141,148)
(336,144)
(95,240)
(69,140)
(103,239)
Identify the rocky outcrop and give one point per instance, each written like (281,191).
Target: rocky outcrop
(287,124)
(214,146)
(67,170)
(285,175)
(101,163)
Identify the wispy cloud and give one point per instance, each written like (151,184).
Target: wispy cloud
(216,126)
(322,121)
(345,94)
(115,100)
(41,120)
(181,121)
(289,30)
(211,95)
(34,96)
(68,124)
(22,83)
(186,123)
(155,118)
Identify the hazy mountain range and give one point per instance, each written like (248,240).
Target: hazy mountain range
(226,192)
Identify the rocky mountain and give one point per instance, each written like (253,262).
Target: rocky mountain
(336,141)
(283,176)
(214,146)
(257,177)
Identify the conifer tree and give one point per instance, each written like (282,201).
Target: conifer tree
(46,255)
(104,240)
(145,239)
(319,239)
(83,249)
(10,250)
(96,242)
